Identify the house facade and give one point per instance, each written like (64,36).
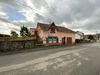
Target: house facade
(33,31)
(51,34)
(79,35)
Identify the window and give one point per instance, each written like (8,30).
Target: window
(52,30)
(52,40)
(49,39)
(35,32)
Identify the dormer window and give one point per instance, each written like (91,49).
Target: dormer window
(52,30)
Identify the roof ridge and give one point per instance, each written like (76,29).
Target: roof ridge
(42,23)
(66,28)
(60,28)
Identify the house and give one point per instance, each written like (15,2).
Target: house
(79,35)
(86,37)
(33,31)
(51,34)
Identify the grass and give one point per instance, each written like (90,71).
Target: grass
(24,38)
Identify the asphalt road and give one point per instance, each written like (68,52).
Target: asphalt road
(81,59)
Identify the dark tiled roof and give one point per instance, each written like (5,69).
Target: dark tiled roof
(43,26)
(59,28)
(63,29)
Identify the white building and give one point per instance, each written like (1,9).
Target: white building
(79,35)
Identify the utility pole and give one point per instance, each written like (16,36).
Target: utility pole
(96,35)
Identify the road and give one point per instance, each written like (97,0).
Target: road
(81,59)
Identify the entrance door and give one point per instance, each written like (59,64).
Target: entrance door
(69,40)
(63,40)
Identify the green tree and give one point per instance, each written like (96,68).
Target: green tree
(29,34)
(13,34)
(91,37)
(24,31)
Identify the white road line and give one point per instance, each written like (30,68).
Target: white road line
(39,60)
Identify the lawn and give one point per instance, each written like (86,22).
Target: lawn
(24,38)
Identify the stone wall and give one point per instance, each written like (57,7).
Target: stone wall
(17,45)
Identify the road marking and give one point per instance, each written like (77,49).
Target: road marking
(39,60)
(80,56)
(79,63)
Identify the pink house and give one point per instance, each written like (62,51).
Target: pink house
(33,31)
(51,34)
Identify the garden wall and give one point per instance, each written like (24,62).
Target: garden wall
(17,45)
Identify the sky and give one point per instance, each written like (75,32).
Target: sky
(78,15)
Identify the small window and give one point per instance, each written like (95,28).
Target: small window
(54,39)
(52,30)
(50,40)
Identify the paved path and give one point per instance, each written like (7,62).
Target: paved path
(74,60)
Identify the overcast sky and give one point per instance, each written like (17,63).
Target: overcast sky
(78,15)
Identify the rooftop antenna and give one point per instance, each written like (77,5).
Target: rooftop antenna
(49,21)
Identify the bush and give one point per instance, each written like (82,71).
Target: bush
(81,41)
(91,37)
(77,40)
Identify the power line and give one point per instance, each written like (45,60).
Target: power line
(32,10)
(36,10)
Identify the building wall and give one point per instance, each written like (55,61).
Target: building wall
(60,35)
(32,31)
(77,36)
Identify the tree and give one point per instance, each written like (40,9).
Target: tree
(29,34)
(13,34)
(24,31)
(4,35)
(90,37)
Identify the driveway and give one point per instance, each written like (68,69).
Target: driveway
(81,59)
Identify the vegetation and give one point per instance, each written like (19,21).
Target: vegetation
(24,31)
(29,34)
(2,35)
(82,41)
(14,34)
(91,37)
(24,38)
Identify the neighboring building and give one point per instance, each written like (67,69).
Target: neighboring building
(86,37)
(33,31)
(79,35)
(55,35)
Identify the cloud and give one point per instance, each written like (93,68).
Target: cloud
(4,20)
(83,15)
(2,14)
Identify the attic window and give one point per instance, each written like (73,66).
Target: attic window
(52,30)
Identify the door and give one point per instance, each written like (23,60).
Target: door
(63,40)
(69,40)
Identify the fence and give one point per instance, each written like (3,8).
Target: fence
(17,44)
